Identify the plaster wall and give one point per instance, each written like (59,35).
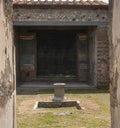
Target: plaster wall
(7,66)
(114,32)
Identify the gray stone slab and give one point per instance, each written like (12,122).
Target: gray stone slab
(48,85)
(58,104)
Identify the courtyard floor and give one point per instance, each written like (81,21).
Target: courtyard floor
(96,113)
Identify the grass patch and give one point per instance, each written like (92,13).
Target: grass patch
(95,115)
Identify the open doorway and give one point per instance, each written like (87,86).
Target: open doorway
(56,54)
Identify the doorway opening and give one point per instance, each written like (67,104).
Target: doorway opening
(56,54)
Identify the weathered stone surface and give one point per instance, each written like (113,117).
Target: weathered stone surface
(102,47)
(59,90)
(115,62)
(59,104)
(26,14)
(7,66)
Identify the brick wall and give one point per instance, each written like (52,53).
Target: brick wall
(102,45)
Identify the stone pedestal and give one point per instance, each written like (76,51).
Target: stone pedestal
(59,92)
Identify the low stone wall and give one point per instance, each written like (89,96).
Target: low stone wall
(59,104)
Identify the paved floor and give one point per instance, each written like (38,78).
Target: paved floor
(48,85)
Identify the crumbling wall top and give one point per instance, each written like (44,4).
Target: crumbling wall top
(61,2)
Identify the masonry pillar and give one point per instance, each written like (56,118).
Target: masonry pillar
(102,46)
(7,66)
(115,62)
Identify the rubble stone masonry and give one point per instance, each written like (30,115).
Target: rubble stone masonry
(81,15)
(102,56)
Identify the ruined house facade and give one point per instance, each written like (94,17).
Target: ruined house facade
(7,66)
(62,40)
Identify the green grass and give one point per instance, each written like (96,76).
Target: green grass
(95,115)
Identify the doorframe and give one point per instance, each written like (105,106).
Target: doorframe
(85,35)
(92,34)
(35,52)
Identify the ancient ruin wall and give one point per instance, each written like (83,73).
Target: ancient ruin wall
(114,37)
(82,15)
(76,15)
(7,66)
(102,56)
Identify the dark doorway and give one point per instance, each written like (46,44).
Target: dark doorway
(60,54)
(56,53)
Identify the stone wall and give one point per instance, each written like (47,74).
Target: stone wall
(7,66)
(83,15)
(102,57)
